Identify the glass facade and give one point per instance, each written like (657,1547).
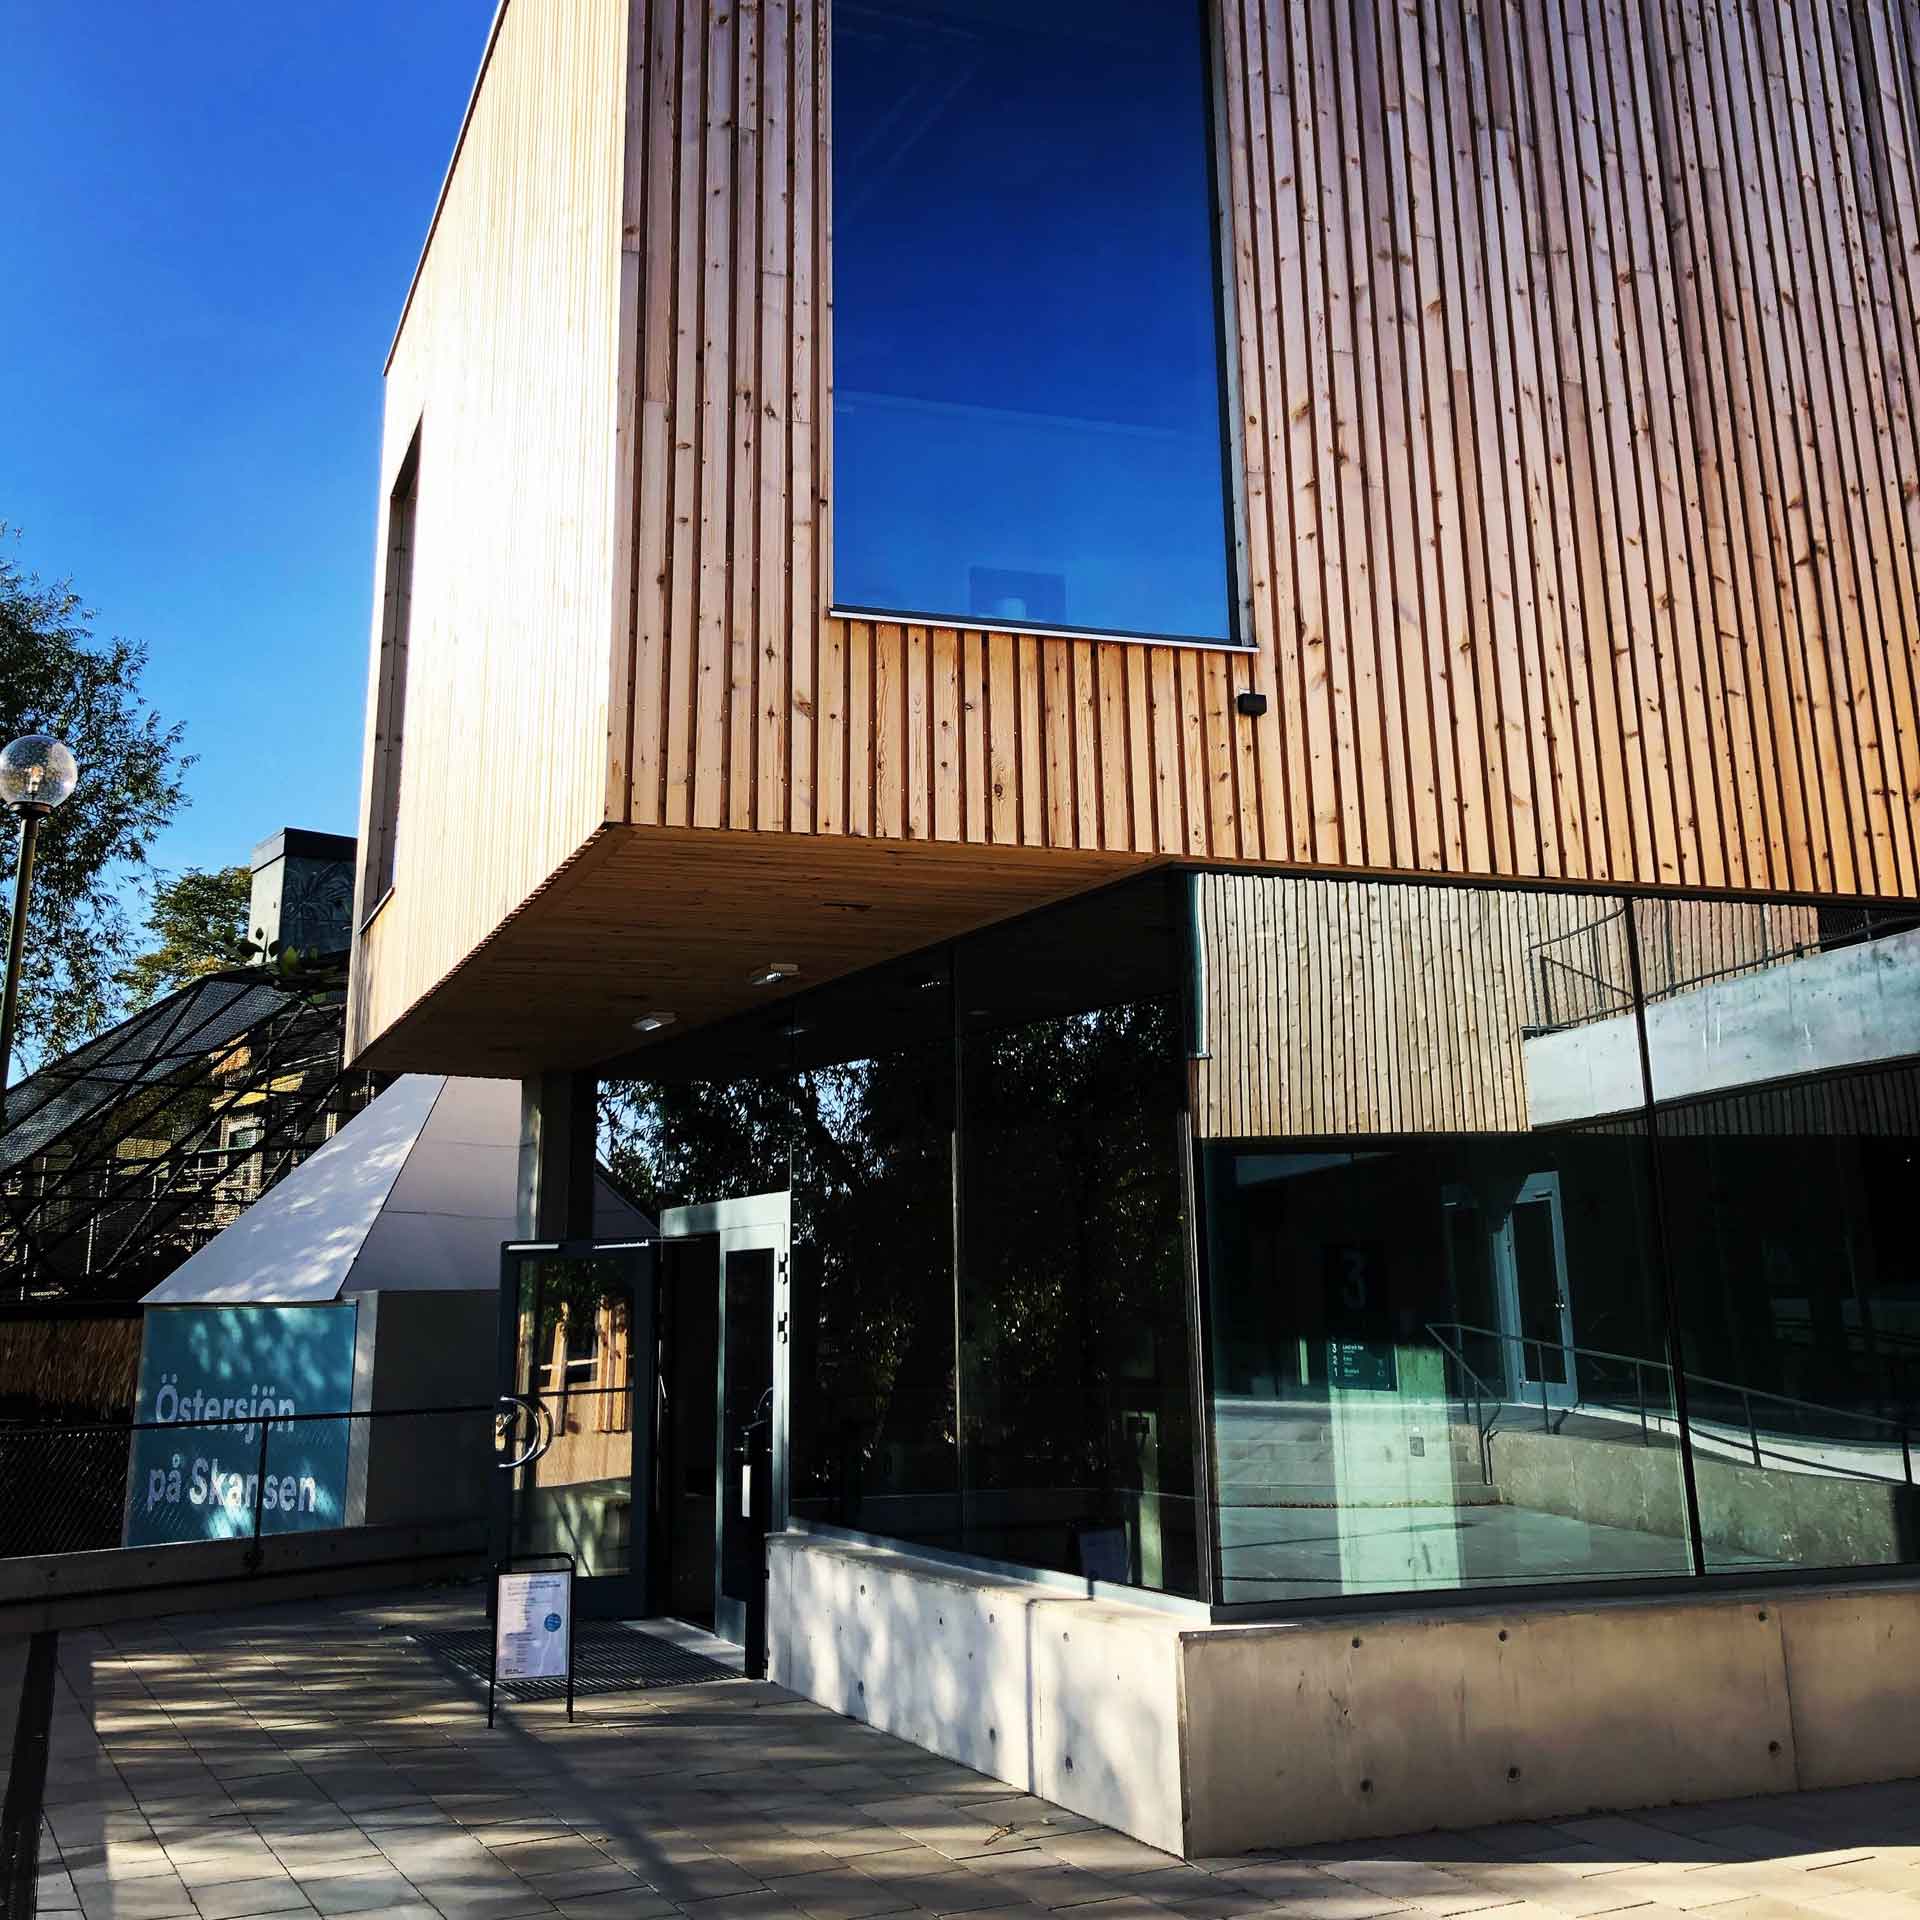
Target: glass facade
(1788,1133)
(992,1110)
(1277,1240)
(997,457)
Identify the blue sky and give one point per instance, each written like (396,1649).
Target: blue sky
(210,214)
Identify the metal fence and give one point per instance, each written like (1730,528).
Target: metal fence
(80,1488)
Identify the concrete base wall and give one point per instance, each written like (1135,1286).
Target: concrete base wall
(1054,1693)
(1221,1739)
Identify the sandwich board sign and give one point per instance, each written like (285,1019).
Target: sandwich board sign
(532,1624)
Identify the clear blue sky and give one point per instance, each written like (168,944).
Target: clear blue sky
(210,214)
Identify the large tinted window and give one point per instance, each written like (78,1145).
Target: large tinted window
(1075,1347)
(1027,393)
(1439,1356)
(1786,1068)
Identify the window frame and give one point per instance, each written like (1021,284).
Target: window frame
(386,745)
(1242,637)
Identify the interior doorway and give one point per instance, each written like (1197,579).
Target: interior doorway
(1507,1265)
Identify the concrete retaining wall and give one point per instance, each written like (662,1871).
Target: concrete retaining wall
(56,1590)
(1221,1739)
(1766,1514)
(1054,1693)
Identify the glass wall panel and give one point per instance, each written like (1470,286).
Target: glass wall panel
(874,1444)
(1076,1384)
(1027,401)
(1043,1413)
(1784,1045)
(1438,1354)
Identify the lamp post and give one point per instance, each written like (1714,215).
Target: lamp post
(36,774)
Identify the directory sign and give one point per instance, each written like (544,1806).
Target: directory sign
(217,1434)
(531,1625)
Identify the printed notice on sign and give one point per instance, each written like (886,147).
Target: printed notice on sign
(531,1613)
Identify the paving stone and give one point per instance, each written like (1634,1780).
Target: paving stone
(54,1893)
(236,1898)
(843,1893)
(636,1905)
(161,1898)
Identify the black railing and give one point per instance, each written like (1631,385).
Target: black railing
(1487,1404)
(79,1488)
(1578,975)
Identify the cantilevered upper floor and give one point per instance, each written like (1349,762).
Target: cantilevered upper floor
(855,468)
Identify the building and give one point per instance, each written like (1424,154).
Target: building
(1209,715)
(127,1155)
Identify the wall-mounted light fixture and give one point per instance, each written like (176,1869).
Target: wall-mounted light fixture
(773,973)
(653,1022)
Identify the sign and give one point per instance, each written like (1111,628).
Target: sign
(222,1387)
(532,1624)
(1360,1345)
(531,1634)
(1362,1365)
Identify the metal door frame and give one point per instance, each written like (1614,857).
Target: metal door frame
(612,1595)
(755,1223)
(1533,1190)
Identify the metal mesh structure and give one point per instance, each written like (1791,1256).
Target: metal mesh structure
(128,1154)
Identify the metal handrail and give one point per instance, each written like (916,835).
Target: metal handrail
(1542,957)
(1485,1430)
(1639,1363)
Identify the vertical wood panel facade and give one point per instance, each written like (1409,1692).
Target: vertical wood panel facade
(1574,355)
(1341,1007)
(507,366)
(1580,512)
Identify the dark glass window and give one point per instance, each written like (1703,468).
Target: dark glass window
(390,710)
(872,1423)
(1027,422)
(1438,1351)
(1076,1382)
(1785,1052)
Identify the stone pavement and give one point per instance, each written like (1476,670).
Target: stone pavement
(312,1760)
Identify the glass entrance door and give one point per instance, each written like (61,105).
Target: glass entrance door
(576,1327)
(745,1437)
(725,1308)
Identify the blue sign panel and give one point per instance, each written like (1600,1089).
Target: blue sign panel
(226,1385)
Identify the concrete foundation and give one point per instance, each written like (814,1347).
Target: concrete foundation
(1211,1740)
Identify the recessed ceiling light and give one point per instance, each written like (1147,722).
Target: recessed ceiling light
(773,973)
(653,1022)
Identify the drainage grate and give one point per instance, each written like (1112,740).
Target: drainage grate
(606,1659)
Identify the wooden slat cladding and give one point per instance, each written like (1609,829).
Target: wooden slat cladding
(1337,1007)
(1580,492)
(507,363)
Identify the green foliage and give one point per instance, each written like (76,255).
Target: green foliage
(55,677)
(198,924)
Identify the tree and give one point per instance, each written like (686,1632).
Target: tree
(198,923)
(55,677)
